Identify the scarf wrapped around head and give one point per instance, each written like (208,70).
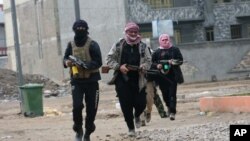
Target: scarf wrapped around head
(165,41)
(131,26)
(80,27)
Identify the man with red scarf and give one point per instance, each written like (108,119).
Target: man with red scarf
(130,84)
(172,58)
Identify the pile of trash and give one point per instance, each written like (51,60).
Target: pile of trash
(9,89)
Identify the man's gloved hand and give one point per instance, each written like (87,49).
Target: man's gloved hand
(68,63)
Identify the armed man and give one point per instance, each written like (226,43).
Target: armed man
(83,57)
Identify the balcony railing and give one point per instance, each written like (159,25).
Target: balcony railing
(159,4)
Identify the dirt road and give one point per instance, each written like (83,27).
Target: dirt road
(56,124)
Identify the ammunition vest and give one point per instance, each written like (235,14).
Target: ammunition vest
(83,54)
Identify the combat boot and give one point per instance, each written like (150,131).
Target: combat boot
(88,132)
(137,122)
(79,135)
(79,132)
(86,138)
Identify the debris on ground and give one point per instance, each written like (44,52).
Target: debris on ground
(9,84)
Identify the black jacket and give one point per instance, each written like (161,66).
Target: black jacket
(175,73)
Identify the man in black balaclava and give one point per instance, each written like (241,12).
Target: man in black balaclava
(85,84)
(80,28)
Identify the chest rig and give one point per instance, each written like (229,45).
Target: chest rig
(83,54)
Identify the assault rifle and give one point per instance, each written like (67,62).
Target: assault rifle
(105,69)
(78,62)
(173,61)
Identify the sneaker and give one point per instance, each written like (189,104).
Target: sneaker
(86,138)
(79,136)
(137,122)
(172,116)
(131,132)
(148,117)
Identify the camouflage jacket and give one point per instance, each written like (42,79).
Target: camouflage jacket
(113,60)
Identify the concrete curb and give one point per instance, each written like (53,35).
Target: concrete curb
(234,104)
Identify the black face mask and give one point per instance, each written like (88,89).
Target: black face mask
(80,37)
(81,33)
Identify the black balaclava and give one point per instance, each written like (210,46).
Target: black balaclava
(80,28)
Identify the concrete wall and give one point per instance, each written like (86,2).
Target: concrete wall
(222,60)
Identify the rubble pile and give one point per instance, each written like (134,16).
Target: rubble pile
(9,84)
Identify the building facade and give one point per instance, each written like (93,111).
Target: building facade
(213,36)
(195,20)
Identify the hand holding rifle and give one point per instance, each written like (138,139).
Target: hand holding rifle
(76,61)
(68,63)
(165,65)
(124,69)
(73,62)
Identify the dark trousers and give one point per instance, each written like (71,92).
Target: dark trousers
(131,100)
(89,92)
(169,94)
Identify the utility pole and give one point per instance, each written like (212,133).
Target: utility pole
(17,52)
(77,10)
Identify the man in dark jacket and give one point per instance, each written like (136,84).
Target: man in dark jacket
(84,81)
(168,59)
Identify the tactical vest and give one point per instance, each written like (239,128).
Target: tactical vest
(83,54)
